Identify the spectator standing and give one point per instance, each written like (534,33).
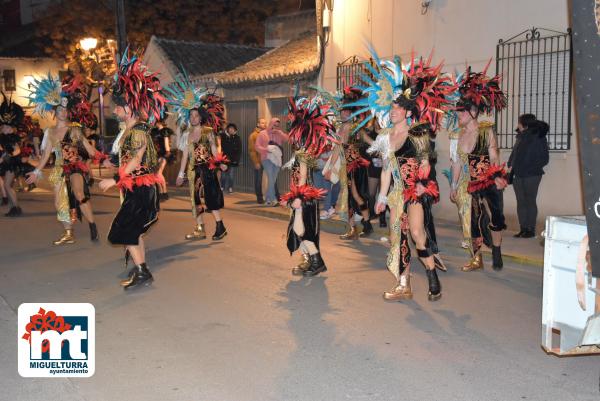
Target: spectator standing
(269,144)
(529,156)
(231,146)
(256,160)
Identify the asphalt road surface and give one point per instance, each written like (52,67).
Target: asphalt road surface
(227,321)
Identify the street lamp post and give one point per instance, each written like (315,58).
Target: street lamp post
(96,76)
(88,45)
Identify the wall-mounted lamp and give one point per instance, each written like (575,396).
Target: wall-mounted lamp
(326,21)
(425,6)
(10,83)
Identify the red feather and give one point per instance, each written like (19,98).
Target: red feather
(421,176)
(216,161)
(311,128)
(303,192)
(127,182)
(488,178)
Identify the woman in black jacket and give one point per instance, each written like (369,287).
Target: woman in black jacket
(231,146)
(527,160)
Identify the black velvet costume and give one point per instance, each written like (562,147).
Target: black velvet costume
(75,157)
(310,207)
(357,168)
(8,144)
(159,135)
(483,190)
(205,179)
(140,207)
(416,149)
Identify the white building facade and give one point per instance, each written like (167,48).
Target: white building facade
(459,32)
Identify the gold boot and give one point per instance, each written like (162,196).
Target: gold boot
(67,238)
(476,263)
(198,233)
(401,291)
(302,266)
(352,234)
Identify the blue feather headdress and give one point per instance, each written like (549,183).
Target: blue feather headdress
(383,85)
(183,96)
(46,94)
(418,87)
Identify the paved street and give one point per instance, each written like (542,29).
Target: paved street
(226,320)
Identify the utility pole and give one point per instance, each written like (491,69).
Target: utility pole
(121,31)
(586,59)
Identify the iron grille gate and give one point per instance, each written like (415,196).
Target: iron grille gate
(536,77)
(349,72)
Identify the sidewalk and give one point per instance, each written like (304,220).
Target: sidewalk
(522,251)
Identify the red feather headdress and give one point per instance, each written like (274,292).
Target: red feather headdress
(311,125)
(139,89)
(426,91)
(213,111)
(478,90)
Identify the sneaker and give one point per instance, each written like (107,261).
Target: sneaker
(325,215)
(331,211)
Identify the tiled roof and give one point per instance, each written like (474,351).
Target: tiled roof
(200,58)
(297,58)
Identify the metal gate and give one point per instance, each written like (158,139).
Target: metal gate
(351,72)
(536,68)
(244,114)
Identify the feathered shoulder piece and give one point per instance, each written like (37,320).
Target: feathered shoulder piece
(381,145)
(420,129)
(142,126)
(139,89)
(486,125)
(311,125)
(10,112)
(479,91)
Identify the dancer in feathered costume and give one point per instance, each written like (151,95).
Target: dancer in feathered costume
(355,190)
(136,93)
(311,133)
(354,180)
(11,166)
(70,175)
(161,135)
(478,177)
(202,113)
(409,103)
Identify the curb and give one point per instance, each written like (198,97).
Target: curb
(339,226)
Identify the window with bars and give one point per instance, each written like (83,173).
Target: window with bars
(351,71)
(536,68)
(10,82)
